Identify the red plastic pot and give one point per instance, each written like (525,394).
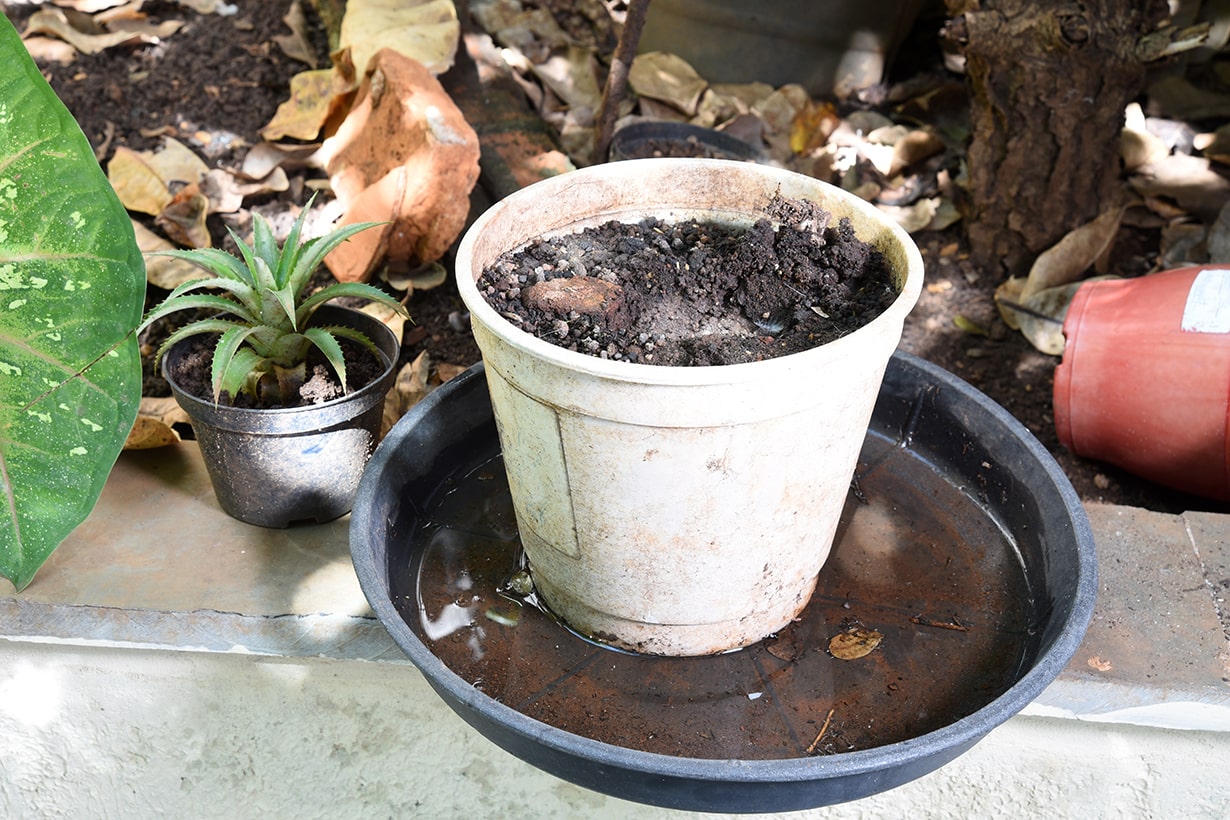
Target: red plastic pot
(1145,378)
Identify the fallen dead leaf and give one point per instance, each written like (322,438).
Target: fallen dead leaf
(56,23)
(312,95)
(1189,181)
(183,218)
(165,272)
(153,426)
(667,78)
(854,643)
(296,45)
(138,185)
(1100,665)
(1073,255)
(227,192)
(423,30)
(265,157)
(47,49)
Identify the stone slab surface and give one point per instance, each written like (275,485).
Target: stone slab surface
(158,564)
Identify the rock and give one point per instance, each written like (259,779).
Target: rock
(405,155)
(587,295)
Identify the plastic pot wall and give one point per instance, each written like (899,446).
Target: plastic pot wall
(1145,378)
(677,510)
(277,467)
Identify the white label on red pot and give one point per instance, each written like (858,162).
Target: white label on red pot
(1208,303)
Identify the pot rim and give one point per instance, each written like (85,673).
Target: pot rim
(643,172)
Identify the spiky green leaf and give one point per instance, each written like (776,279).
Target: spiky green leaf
(233,364)
(327,294)
(315,250)
(327,344)
(218,262)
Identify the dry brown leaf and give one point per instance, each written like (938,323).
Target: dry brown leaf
(148,433)
(49,50)
(572,74)
(812,127)
(1188,181)
(1096,662)
(854,643)
(221,7)
(183,219)
(916,217)
(915,146)
(1009,293)
(423,30)
(1069,259)
(143,29)
(153,426)
(1042,325)
(163,271)
(447,371)
(1216,146)
(264,157)
(296,45)
(56,23)
(532,31)
(89,6)
(409,388)
(311,96)
(667,78)
(1137,146)
(226,192)
(137,184)
(176,162)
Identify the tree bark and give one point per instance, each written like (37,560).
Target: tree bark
(1049,81)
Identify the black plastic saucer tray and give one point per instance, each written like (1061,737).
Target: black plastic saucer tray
(929,421)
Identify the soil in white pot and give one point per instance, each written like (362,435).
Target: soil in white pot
(694,293)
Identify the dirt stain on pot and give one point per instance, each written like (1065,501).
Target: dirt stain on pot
(919,573)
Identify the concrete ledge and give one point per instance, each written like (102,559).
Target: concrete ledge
(125,690)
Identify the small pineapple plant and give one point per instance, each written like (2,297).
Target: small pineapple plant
(263,314)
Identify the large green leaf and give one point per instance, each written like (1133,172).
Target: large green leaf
(72,285)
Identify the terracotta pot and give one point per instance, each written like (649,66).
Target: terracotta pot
(277,467)
(678,510)
(1145,378)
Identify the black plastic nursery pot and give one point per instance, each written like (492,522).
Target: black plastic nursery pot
(278,467)
(677,139)
(963,547)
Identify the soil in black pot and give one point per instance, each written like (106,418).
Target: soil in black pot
(192,373)
(695,293)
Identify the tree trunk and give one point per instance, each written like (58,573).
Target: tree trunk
(1049,81)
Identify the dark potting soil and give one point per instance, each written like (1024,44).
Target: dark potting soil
(192,373)
(695,293)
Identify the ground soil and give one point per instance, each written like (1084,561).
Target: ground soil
(688,293)
(220,79)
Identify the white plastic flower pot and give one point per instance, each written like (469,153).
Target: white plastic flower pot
(678,510)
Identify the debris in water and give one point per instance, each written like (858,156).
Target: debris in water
(812,748)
